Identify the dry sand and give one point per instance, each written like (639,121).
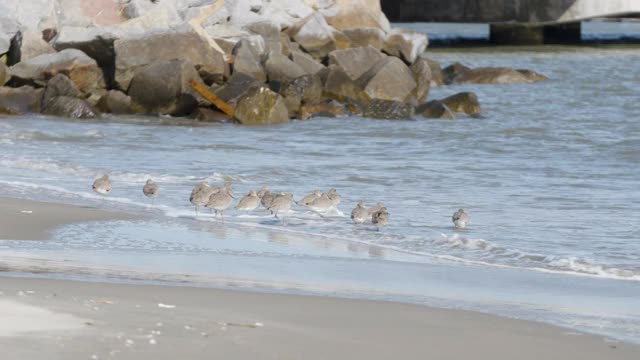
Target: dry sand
(159,322)
(32,220)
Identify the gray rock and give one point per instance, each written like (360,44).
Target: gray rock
(307,63)
(237,86)
(5,75)
(22,100)
(270,32)
(285,44)
(70,107)
(280,68)
(422,74)
(96,42)
(115,102)
(80,68)
(209,115)
(32,15)
(248,60)
(340,87)
(164,87)
(406,44)
(452,71)
(390,79)
(494,75)
(464,102)
(349,14)
(27,45)
(137,52)
(363,37)
(261,106)
(357,61)
(314,34)
(435,110)
(307,89)
(437,78)
(60,85)
(5,43)
(388,109)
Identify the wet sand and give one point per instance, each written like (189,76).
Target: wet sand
(117,321)
(33,220)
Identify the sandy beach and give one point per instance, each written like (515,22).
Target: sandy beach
(114,321)
(33,220)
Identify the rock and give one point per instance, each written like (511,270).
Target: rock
(248,60)
(349,14)
(4,74)
(390,79)
(279,67)
(307,89)
(96,42)
(27,45)
(367,36)
(464,102)
(237,86)
(32,15)
(80,68)
(270,32)
(306,62)
(437,78)
(388,109)
(88,13)
(95,95)
(406,44)
(493,75)
(5,43)
(314,35)
(115,102)
(261,106)
(227,37)
(328,109)
(285,44)
(355,62)
(22,100)
(435,110)
(70,107)
(422,73)
(452,71)
(164,87)
(340,87)
(285,13)
(60,85)
(211,116)
(134,53)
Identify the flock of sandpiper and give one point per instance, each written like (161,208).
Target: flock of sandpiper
(219,199)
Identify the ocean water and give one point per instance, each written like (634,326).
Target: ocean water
(549,176)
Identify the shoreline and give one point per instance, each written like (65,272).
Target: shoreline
(163,322)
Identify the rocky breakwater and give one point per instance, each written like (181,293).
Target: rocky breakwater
(254,62)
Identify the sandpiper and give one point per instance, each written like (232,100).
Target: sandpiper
(249,202)
(264,190)
(150,190)
(267,199)
(281,203)
(309,198)
(200,195)
(102,185)
(334,196)
(321,204)
(460,219)
(221,200)
(373,209)
(359,214)
(380,218)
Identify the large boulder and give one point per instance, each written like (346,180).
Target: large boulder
(88,13)
(357,61)
(27,45)
(5,75)
(139,51)
(307,89)
(80,68)
(261,106)
(97,42)
(435,109)
(464,102)
(234,89)
(270,32)
(388,109)
(316,36)
(248,59)
(307,63)
(164,87)
(437,78)
(366,36)
(389,79)
(70,107)
(454,70)
(60,85)
(460,74)
(33,15)
(115,102)
(422,73)
(339,86)
(22,100)
(349,14)
(281,68)
(406,44)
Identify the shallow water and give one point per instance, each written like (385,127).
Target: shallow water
(549,176)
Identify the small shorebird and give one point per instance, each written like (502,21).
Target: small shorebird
(267,199)
(281,203)
(102,185)
(249,202)
(321,204)
(334,196)
(373,209)
(200,195)
(359,214)
(264,190)
(150,190)
(460,219)
(380,218)
(221,200)
(309,198)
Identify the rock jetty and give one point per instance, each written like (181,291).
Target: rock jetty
(253,62)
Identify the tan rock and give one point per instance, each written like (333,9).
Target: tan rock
(367,36)
(357,61)
(349,14)
(390,79)
(115,102)
(28,45)
(406,44)
(211,116)
(435,110)
(314,35)
(261,106)
(339,86)
(22,100)
(422,73)
(464,102)
(248,60)
(279,67)
(307,63)
(328,109)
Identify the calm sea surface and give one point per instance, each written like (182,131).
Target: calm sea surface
(550,176)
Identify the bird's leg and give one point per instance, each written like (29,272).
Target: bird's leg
(276,214)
